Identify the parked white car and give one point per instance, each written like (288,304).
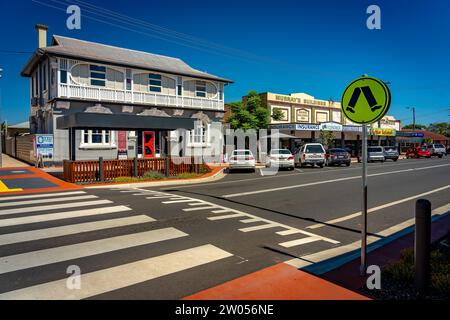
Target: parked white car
(281,158)
(437,149)
(242,159)
(310,153)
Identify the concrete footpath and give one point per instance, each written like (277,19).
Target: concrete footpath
(8,161)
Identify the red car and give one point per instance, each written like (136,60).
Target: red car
(418,152)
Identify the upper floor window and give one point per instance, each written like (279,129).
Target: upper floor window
(128,77)
(154,82)
(200,89)
(98,75)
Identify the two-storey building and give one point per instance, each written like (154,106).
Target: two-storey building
(99,100)
(304,116)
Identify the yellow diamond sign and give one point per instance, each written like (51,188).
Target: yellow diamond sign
(366,100)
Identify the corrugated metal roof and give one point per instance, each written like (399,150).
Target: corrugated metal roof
(81,49)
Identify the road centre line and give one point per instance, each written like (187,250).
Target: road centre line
(233,195)
(386,205)
(290,175)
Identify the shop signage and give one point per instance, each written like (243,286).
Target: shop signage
(410,134)
(352,128)
(366,100)
(307,127)
(387,132)
(302,115)
(122,145)
(44,146)
(330,126)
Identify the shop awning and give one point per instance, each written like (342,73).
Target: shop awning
(84,120)
(278,135)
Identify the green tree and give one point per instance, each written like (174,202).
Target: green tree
(418,127)
(326,138)
(251,115)
(440,128)
(277,115)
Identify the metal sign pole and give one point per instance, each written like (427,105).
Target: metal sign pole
(364,202)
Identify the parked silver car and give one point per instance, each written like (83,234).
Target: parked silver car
(375,154)
(391,153)
(437,149)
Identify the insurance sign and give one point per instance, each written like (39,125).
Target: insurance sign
(44,146)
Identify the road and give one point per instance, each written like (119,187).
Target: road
(168,243)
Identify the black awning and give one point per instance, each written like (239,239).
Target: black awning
(83,120)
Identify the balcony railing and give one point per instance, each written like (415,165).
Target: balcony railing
(154,99)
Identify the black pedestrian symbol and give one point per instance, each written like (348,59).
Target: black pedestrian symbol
(367,94)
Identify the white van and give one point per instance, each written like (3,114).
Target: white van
(310,153)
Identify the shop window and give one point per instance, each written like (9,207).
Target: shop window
(97,138)
(200,89)
(154,82)
(98,75)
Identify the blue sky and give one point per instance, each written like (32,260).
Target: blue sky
(280,46)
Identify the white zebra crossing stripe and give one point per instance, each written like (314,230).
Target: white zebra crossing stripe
(43,195)
(27,202)
(40,234)
(61,215)
(299,242)
(260,227)
(85,249)
(54,207)
(228,216)
(122,276)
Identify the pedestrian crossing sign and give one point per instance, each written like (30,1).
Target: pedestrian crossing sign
(366,100)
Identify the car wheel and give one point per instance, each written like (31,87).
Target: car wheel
(348,164)
(440,156)
(395,160)
(321,165)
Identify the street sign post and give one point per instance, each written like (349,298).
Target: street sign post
(365,101)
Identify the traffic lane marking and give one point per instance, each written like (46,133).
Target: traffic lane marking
(233,213)
(308,260)
(122,276)
(5,188)
(241,194)
(307,172)
(374,209)
(85,249)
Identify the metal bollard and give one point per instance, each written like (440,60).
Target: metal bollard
(422,244)
(135,168)
(100,170)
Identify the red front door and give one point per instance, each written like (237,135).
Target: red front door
(148,144)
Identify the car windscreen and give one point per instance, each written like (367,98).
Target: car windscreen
(439,146)
(390,149)
(337,150)
(242,153)
(280,151)
(314,149)
(372,149)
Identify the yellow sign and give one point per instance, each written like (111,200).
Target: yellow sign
(366,100)
(387,132)
(4,188)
